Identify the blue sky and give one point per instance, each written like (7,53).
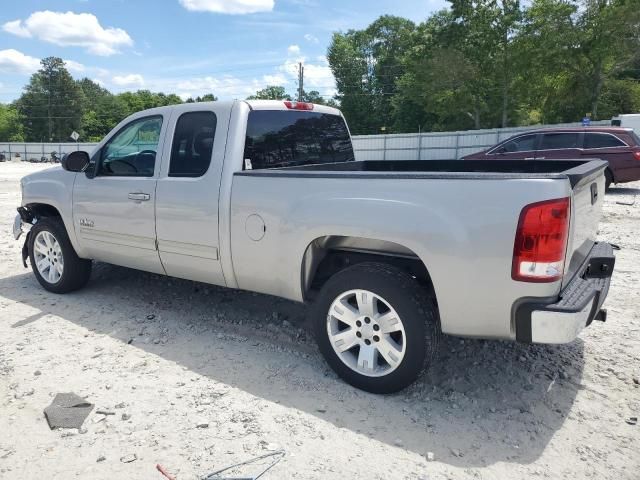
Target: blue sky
(227,47)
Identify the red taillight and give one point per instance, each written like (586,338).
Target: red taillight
(636,154)
(298,105)
(541,241)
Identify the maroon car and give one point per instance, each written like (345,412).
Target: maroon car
(619,146)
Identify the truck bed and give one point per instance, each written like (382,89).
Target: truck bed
(574,170)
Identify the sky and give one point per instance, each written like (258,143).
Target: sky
(230,48)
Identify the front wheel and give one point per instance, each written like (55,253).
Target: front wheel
(55,263)
(376,327)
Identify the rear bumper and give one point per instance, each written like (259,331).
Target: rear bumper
(580,303)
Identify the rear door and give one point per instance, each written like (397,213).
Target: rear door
(187,218)
(558,145)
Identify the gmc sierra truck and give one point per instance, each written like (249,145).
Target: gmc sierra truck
(267,196)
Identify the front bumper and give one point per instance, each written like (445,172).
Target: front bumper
(580,303)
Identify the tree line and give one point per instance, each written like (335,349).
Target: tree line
(490,63)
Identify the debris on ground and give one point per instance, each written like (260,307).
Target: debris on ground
(275,456)
(67,410)
(132,457)
(162,470)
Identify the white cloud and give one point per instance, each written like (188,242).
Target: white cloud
(71,29)
(99,82)
(233,7)
(317,74)
(15,27)
(13,61)
(278,79)
(74,66)
(310,38)
(225,87)
(293,50)
(131,80)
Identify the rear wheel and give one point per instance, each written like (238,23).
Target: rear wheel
(376,327)
(55,263)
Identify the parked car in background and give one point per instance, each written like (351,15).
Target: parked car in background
(619,146)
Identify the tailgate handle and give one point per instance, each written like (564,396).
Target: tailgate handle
(594,193)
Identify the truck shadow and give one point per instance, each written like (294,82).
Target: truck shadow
(482,402)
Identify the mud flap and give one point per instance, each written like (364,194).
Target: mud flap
(25,250)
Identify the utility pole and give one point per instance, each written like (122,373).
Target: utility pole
(300,81)
(49,106)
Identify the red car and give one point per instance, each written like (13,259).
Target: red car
(619,146)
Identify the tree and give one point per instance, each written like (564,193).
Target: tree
(11,127)
(271,93)
(366,65)
(207,97)
(52,103)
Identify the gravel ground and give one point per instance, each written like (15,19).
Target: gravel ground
(201,377)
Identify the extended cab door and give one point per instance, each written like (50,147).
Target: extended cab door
(187,215)
(113,212)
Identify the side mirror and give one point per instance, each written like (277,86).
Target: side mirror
(75,161)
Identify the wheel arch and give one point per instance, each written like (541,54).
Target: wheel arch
(329,254)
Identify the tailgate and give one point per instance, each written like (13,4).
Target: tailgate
(586,210)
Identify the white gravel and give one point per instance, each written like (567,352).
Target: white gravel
(200,377)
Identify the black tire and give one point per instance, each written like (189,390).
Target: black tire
(76,271)
(410,300)
(608,180)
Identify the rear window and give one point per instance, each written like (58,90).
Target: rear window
(601,140)
(552,141)
(280,138)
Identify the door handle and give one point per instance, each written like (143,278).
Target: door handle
(529,158)
(139,197)
(540,158)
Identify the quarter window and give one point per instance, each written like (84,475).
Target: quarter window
(521,144)
(553,141)
(192,144)
(601,140)
(132,151)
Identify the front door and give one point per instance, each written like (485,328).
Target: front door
(113,212)
(187,215)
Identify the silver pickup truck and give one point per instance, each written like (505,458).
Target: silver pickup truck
(267,196)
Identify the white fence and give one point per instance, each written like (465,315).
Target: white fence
(438,146)
(404,146)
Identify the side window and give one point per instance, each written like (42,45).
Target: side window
(601,140)
(552,141)
(192,144)
(132,151)
(521,144)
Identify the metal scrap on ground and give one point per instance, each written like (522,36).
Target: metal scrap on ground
(67,410)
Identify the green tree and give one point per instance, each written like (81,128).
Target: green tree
(11,124)
(207,97)
(366,65)
(270,93)
(52,103)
